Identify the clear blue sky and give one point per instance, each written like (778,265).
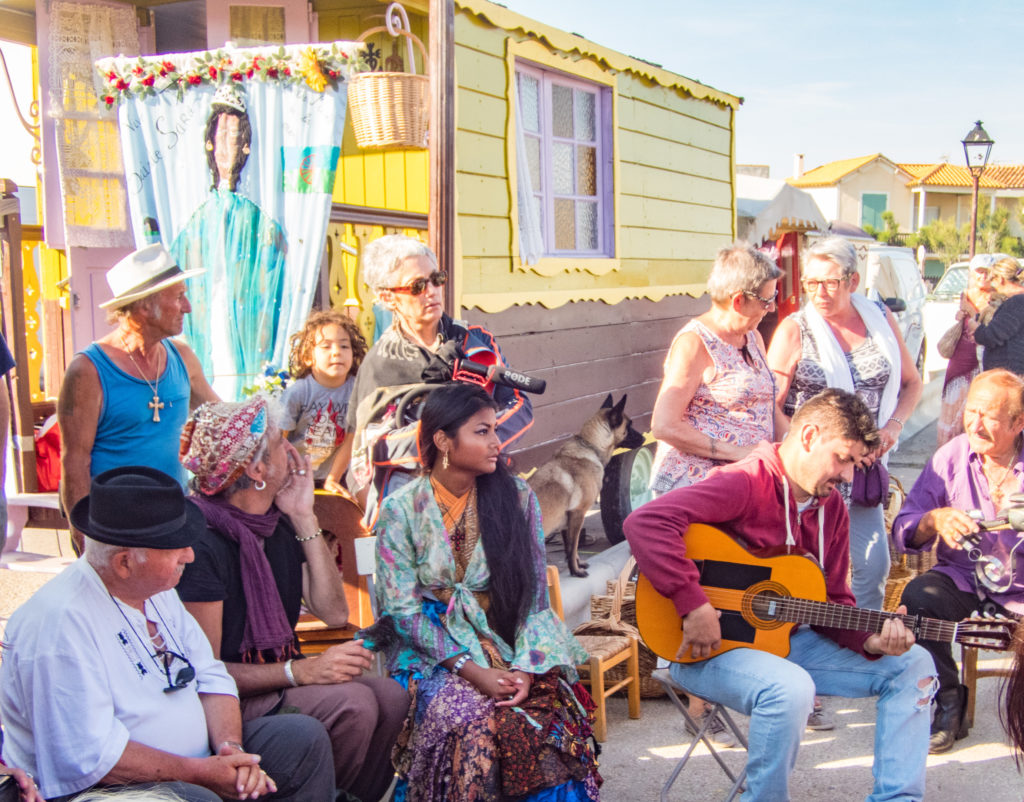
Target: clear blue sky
(831,81)
(905,77)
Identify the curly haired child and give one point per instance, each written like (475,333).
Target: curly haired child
(325,355)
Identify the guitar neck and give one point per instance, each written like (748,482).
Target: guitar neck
(841,616)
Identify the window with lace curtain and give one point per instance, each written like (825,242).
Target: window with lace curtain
(565,137)
(252,26)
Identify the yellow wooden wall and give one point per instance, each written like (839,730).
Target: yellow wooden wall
(674,167)
(396,180)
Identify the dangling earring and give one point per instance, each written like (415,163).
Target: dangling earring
(444,461)
(260,485)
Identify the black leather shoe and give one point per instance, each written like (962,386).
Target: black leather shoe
(950,722)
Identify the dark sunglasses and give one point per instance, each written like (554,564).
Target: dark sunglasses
(438,278)
(184,676)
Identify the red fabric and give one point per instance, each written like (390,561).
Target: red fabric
(48,455)
(745,500)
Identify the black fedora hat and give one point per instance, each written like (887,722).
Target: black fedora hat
(136,506)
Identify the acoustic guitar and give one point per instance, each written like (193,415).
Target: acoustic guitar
(762,596)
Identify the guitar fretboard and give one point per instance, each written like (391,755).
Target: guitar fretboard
(841,616)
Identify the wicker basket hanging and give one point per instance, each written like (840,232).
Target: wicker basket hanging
(390,109)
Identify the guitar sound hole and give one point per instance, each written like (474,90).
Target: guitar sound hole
(765,605)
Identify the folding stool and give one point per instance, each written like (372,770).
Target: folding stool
(672,689)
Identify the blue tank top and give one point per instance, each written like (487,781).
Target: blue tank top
(126,433)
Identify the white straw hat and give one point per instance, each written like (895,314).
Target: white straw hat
(142,273)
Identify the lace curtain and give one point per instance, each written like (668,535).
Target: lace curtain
(256,25)
(94,199)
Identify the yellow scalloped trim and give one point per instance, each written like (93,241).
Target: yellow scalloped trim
(570,43)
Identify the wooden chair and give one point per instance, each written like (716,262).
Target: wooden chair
(606,652)
(970,674)
(341,516)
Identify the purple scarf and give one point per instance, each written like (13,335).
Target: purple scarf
(266,625)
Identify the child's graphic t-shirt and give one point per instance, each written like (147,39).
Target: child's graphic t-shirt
(315,415)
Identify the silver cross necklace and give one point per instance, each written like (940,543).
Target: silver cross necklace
(156,404)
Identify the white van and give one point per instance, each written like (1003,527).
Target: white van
(891,275)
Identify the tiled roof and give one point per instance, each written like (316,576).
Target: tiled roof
(945,174)
(1010,176)
(829,174)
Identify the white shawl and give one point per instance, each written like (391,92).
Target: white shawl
(833,360)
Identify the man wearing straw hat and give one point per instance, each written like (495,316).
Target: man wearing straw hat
(125,398)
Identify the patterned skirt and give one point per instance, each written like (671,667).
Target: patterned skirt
(457,746)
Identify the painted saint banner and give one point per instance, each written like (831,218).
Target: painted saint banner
(230,159)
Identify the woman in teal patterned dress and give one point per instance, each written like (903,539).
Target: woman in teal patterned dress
(497,711)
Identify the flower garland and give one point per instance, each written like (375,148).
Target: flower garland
(318,66)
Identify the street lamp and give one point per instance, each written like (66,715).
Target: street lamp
(977,147)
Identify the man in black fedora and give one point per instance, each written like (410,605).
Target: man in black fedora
(107,680)
(125,397)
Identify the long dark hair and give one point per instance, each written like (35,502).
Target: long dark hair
(1011,711)
(508,542)
(245,135)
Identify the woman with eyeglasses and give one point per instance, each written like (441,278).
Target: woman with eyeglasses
(404,275)
(841,339)
(716,400)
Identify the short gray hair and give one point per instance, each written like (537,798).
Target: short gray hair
(740,268)
(99,555)
(836,250)
(382,257)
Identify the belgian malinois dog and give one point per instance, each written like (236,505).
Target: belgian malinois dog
(567,485)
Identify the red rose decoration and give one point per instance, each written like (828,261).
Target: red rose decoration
(109,100)
(236,76)
(148,80)
(194,80)
(287,71)
(121,84)
(213,72)
(271,73)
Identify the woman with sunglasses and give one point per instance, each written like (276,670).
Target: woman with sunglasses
(404,275)
(841,339)
(497,712)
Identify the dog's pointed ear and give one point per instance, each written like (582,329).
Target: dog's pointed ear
(607,402)
(619,407)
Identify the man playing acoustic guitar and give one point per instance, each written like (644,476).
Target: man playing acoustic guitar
(785,496)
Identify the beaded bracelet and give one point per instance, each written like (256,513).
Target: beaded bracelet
(313,536)
(458,664)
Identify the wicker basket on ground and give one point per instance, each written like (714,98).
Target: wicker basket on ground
(903,567)
(600,606)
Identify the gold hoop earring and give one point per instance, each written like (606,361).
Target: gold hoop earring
(260,485)
(444,460)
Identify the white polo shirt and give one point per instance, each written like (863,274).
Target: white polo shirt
(80,679)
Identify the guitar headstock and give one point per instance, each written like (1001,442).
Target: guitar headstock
(987,633)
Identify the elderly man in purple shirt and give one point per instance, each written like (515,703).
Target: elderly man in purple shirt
(976,471)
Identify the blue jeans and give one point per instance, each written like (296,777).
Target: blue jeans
(778,695)
(869,555)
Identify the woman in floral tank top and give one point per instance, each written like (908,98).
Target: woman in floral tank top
(716,400)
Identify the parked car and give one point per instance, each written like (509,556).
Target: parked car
(940,311)
(892,276)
